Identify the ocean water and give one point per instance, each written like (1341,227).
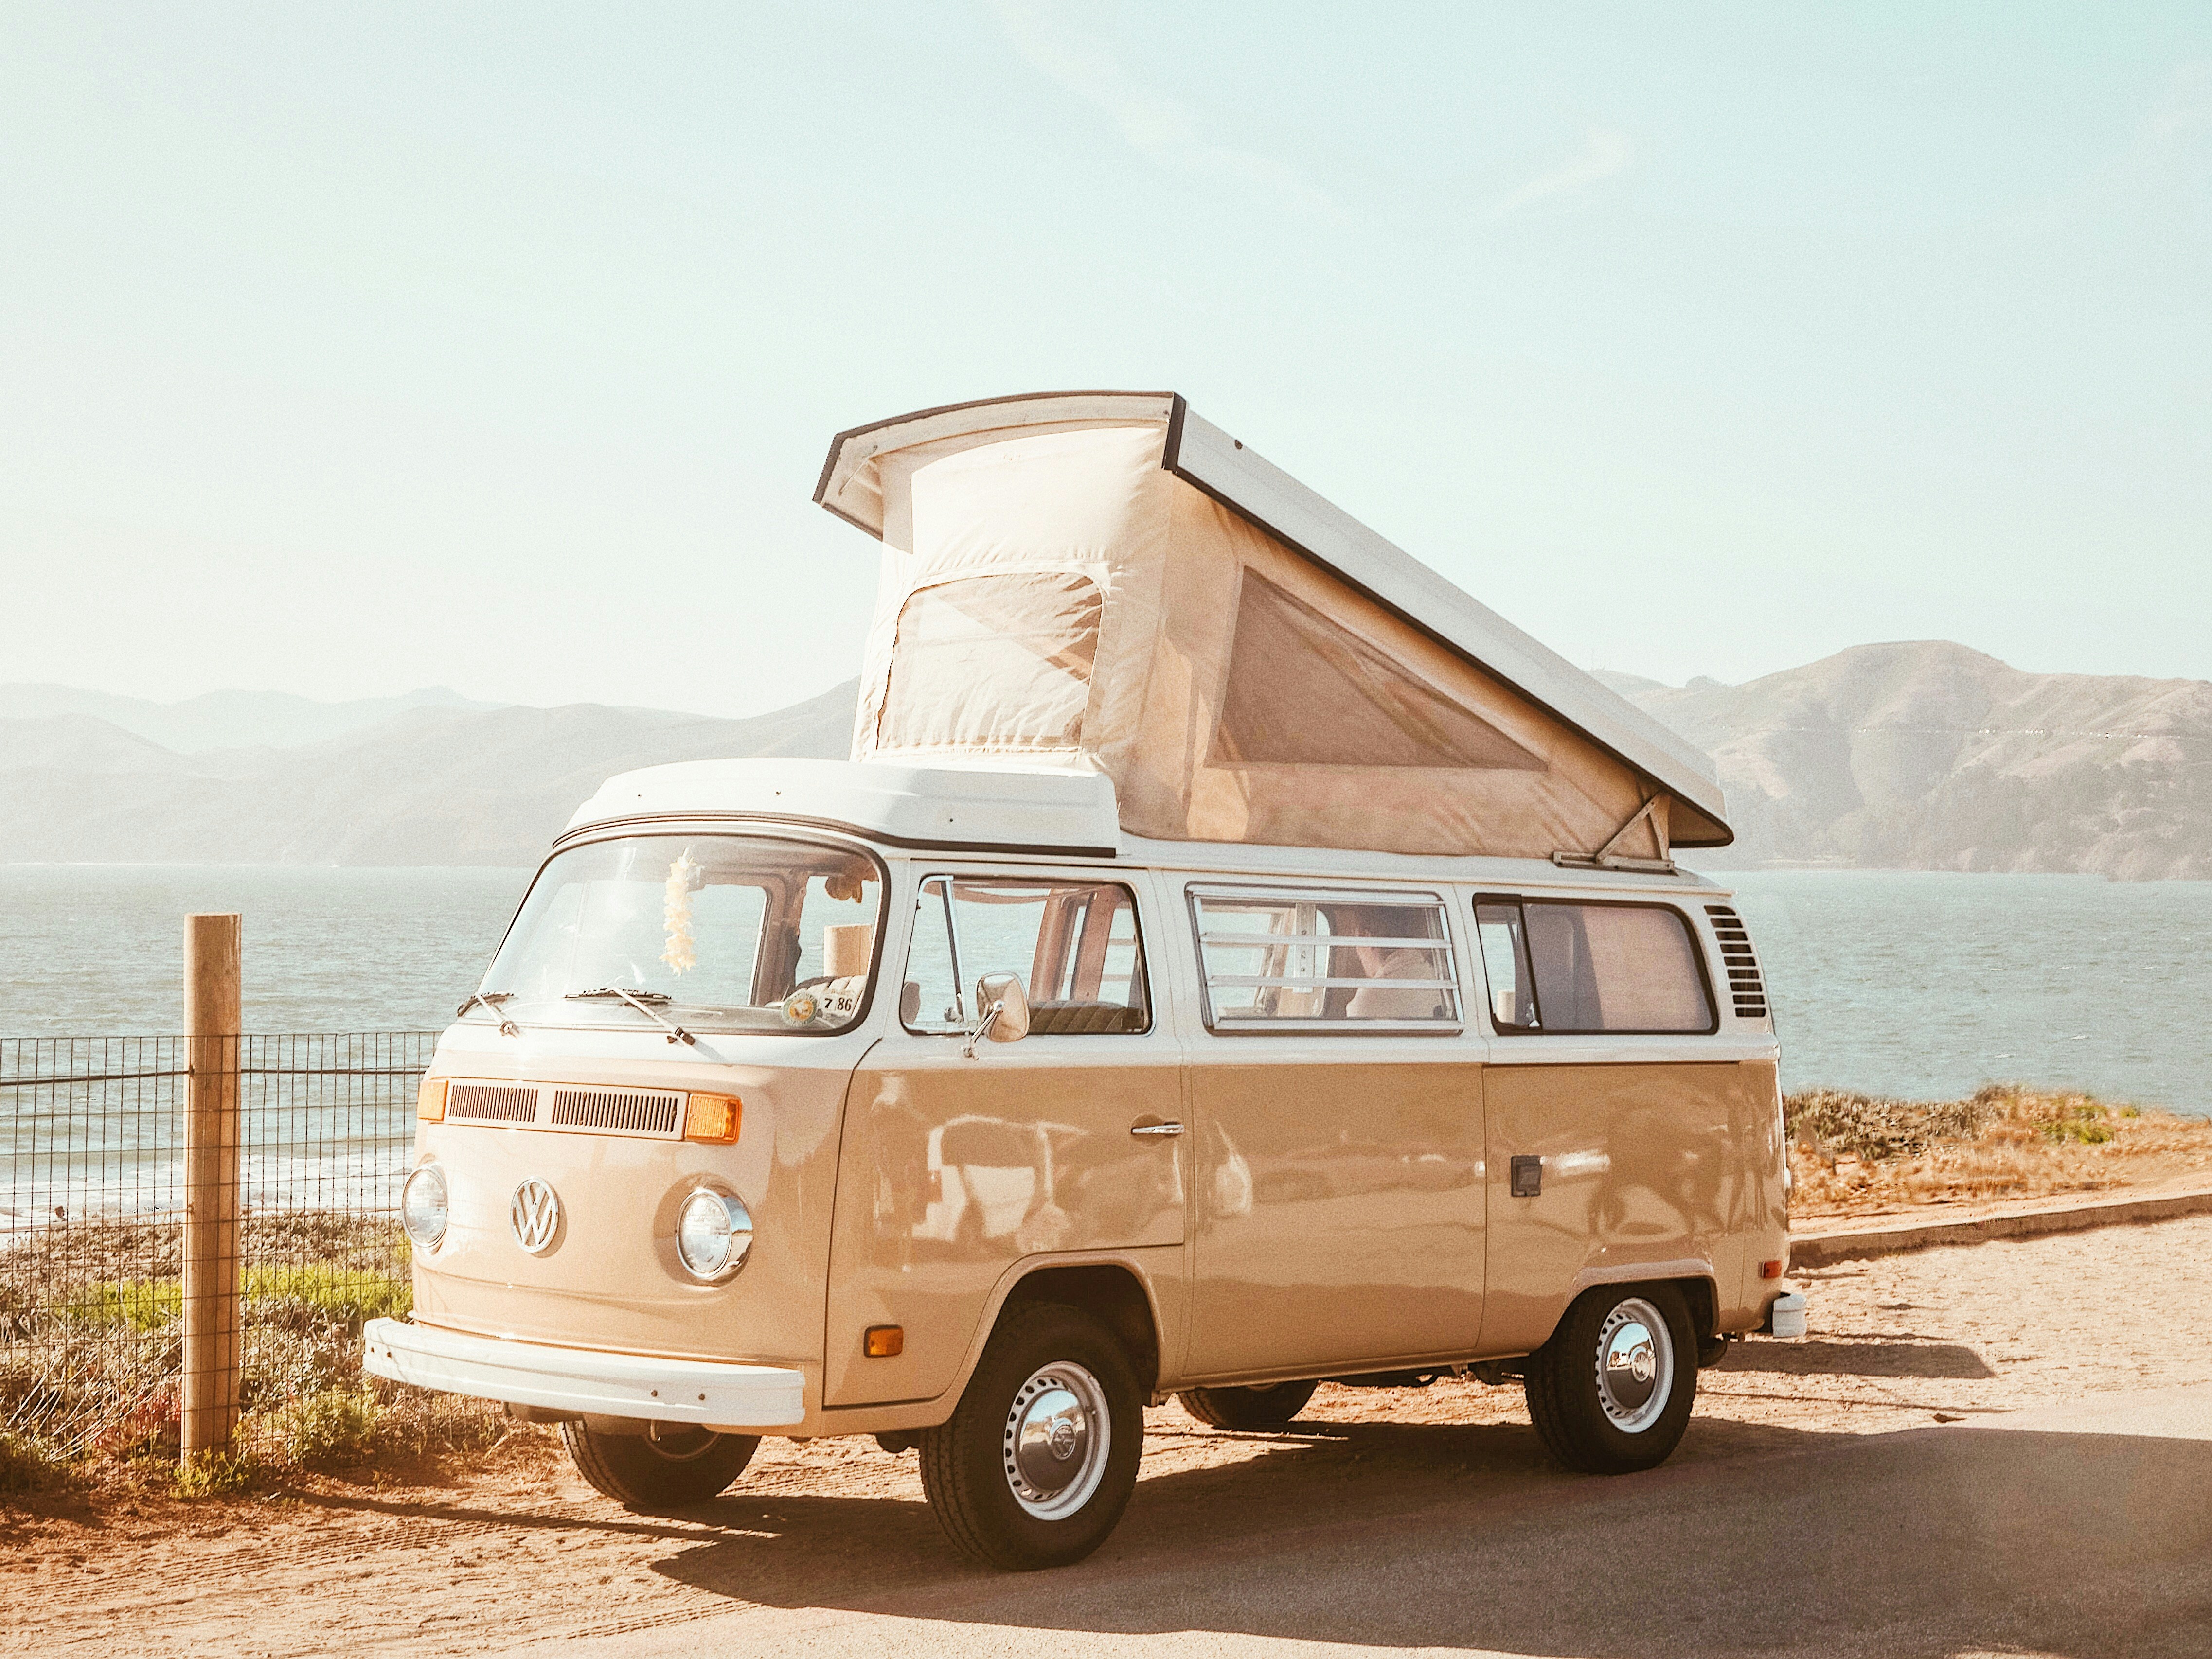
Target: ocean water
(1928,985)
(98,949)
(1901,983)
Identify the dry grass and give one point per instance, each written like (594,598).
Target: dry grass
(90,1335)
(1857,1154)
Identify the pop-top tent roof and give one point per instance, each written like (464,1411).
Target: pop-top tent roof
(1105,582)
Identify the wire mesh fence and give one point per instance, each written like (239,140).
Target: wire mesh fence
(95,1192)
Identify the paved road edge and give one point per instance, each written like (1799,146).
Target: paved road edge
(1823,1249)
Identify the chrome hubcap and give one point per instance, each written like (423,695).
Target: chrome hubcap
(1635,1366)
(679,1443)
(1056,1438)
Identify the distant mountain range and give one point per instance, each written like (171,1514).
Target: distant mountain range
(1926,755)
(1917,756)
(224,719)
(429,783)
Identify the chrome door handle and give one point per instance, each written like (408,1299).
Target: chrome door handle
(1156,1129)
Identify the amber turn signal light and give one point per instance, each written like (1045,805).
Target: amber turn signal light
(882,1341)
(713,1118)
(430,1101)
(1771,1269)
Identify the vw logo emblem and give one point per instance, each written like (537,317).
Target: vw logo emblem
(534,1212)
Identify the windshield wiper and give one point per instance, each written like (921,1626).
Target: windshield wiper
(491,1000)
(642,1001)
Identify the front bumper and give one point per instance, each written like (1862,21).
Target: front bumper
(713,1393)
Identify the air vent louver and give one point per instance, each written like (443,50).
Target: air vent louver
(491,1103)
(1745,988)
(622,1111)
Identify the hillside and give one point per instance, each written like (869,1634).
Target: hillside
(1917,756)
(426,786)
(223,719)
(1926,755)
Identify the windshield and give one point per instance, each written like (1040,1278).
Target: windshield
(714,932)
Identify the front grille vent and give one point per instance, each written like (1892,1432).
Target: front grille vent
(492,1103)
(621,1112)
(1745,988)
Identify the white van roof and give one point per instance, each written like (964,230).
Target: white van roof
(968,808)
(875,498)
(1025,812)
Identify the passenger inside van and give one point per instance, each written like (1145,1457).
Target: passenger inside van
(1387,961)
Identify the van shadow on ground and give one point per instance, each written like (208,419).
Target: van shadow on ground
(1866,1356)
(1924,1542)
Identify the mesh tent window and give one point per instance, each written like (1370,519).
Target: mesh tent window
(1303,690)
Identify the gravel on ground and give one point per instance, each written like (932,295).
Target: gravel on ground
(514,1547)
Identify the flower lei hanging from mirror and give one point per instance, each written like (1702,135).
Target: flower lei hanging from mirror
(675,914)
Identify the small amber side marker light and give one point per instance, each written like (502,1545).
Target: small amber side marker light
(430,1101)
(882,1341)
(713,1118)
(1771,1269)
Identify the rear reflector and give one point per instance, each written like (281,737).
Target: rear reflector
(430,1101)
(714,1118)
(882,1341)
(1771,1269)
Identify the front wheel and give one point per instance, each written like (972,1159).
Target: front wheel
(671,1466)
(1256,1410)
(1040,1456)
(1611,1392)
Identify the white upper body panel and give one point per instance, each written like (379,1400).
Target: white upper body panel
(1025,812)
(1023,808)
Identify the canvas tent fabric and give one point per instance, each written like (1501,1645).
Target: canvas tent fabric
(1060,588)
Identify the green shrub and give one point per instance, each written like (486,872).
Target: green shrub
(1876,1127)
(25,1466)
(2082,1120)
(354,1297)
(335,1427)
(149,1305)
(213,1474)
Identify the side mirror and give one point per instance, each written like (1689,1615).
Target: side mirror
(1003,1008)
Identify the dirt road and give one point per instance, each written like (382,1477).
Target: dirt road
(1834,1496)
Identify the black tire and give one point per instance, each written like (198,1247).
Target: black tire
(1612,1420)
(1253,1410)
(1046,1365)
(675,1467)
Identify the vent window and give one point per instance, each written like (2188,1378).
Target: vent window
(1746,988)
(489,1103)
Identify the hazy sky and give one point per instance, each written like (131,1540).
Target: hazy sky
(347,349)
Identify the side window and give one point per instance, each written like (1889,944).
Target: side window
(1505,966)
(1278,960)
(1561,967)
(1075,944)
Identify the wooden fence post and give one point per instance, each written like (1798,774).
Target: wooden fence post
(211,1309)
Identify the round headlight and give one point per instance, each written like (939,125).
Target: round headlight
(422,1205)
(713,1231)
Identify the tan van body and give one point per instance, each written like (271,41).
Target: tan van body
(1366,1223)
(1330,1006)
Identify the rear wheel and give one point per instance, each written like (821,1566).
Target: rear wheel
(1040,1456)
(671,1466)
(1611,1392)
(1254,1410)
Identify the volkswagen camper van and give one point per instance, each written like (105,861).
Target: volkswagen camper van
(1232,958)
